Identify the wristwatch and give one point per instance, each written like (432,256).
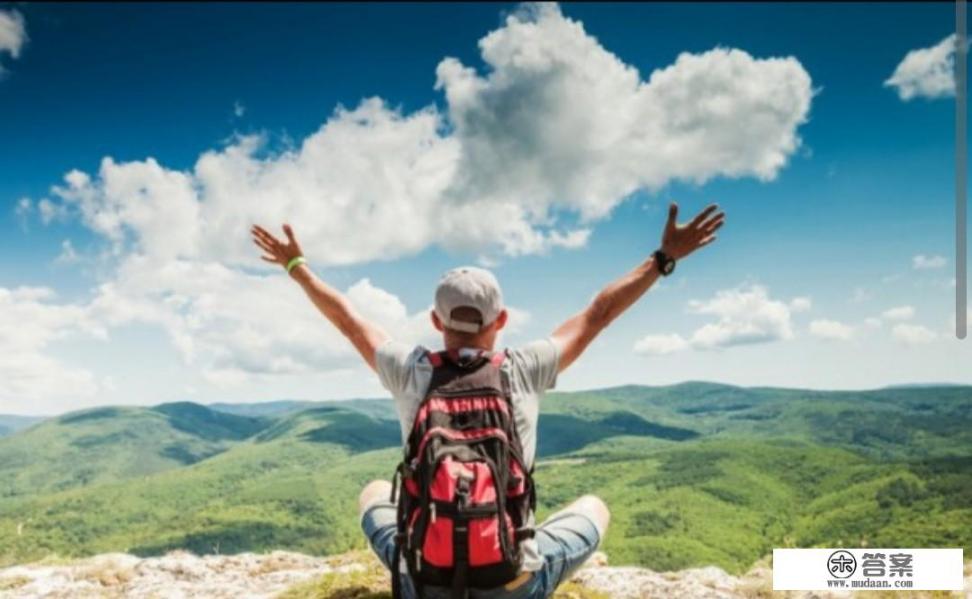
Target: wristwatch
(666,264)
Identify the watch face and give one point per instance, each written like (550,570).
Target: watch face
(669,267)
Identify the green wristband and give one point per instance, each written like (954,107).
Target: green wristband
(294,262)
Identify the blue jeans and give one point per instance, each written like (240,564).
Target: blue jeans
(564,541)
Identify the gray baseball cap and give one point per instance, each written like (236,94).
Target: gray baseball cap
(472,287)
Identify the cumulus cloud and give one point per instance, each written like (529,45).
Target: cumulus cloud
(556,126)
(923,262)
(559,119)
(926,72)
(744,315)
(831,330)
(524,157)
(658,345)
(913,334)
(233,325)
(899,313)
(13,33)
(874,323)
(30,321)
(800,304)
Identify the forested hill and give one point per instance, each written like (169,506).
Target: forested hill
(696,474)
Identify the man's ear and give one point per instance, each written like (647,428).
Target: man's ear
(501,319)
(435,320)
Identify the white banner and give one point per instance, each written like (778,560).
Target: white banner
(867,569)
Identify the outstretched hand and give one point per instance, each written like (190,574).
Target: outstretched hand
(276,251)
(679,241)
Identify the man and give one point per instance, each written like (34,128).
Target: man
(469,313)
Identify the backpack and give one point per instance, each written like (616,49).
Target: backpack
(465,495)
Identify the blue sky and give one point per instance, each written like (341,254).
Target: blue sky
(835,268)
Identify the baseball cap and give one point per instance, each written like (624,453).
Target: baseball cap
(472,287)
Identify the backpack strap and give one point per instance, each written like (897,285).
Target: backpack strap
(460,545)
(396,574)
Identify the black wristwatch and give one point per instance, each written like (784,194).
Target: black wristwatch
(666,264)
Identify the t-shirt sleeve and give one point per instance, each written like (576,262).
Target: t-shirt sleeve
(395,361)
(537,364)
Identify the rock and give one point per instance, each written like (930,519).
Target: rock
(183,575)
(176,575)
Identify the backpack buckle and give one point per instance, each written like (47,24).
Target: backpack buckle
(462,489)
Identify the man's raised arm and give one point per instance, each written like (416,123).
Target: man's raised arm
(678,241)
(363,334)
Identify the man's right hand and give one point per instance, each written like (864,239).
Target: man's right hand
(276,251)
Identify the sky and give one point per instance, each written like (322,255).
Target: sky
(138,143)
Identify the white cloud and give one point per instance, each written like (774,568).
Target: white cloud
(831,329)
(13,33)
(800,304)
(661,344)
(238,109)
(230,325)
(874,323)
(524,158)
(235,327)
(913,334)
(923,262)
(745,315)
(50,211)
(30,322)
(899,313)
(557,125)
(926,72)
(560,119)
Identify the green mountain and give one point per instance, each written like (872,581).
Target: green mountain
(289,485)
(377,408)
(109,444)
(695,474)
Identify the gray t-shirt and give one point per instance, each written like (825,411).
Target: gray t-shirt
(531,370)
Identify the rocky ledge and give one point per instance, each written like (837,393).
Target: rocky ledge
(286,575)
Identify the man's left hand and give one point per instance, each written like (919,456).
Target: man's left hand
(679,241)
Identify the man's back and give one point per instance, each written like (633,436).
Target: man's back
(406,372)
(531,370)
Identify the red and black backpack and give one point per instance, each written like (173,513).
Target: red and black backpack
(465,494)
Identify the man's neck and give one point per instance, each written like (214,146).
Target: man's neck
(456,345)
